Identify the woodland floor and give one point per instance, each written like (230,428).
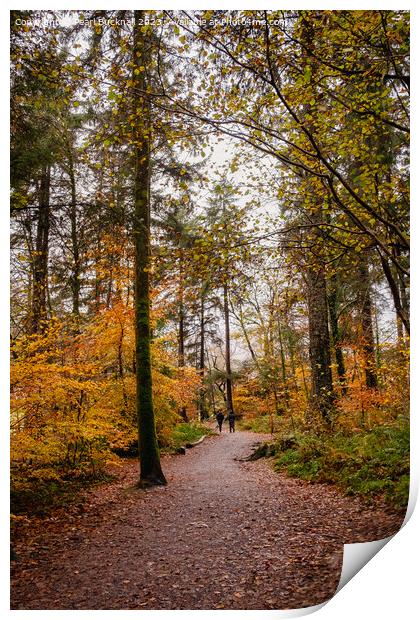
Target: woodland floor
(224,534)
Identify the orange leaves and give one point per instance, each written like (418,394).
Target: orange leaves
(186,385)
(73,395)
(173,388)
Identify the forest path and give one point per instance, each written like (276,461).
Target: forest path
(224,534)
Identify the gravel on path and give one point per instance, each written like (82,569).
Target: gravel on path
(223,534)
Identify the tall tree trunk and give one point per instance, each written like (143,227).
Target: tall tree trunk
(213,400)
(40,259)
(366,323)
(181,351)
(202,367)
(181,331)
(229,397)
(75,277)
(395,291)
(150,467)
(98,287)
(283,361)
(400,331)
(240,318)
(181,354)
(405,303)
(322,395)
(335,332)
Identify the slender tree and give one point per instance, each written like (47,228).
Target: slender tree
(333,295)
(366,323)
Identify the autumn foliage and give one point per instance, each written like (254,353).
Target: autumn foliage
(153,283)
(73,395)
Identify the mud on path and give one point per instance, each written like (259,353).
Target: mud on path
(224,534)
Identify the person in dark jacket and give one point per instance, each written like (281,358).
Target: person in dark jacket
(231,419)
(220,417)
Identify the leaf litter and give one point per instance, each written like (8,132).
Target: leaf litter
(224,534)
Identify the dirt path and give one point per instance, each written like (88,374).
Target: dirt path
(223,534)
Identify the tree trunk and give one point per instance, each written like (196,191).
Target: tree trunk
(181,333)
(240,318)
(395,291)
(405,303)
(181,353)
(283,361)
(75,277)
(368,342)
(335,333)
(150,467)
(229,398)
(202,403)
(213,400)
(322,395)
(40,259)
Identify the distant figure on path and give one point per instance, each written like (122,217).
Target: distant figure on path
(220,417)
(231,419)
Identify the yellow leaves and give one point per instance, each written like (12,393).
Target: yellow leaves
(73,395)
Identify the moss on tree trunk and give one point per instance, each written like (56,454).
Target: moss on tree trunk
(150,468)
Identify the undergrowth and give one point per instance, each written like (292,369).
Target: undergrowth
(366,463)
(37,496)
(38,489)
(183,433)
(260,424)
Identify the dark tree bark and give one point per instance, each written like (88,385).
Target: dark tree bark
(75,276)
(366,323)
(322,394)
(150,467)
(405,302)
(395,291)
(40,258)
(213,400)
(282,356)
(202,365)
(335,332)
(181,330)
(181,351)
(229,396)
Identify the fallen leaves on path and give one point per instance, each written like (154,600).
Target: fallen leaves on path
(224,534)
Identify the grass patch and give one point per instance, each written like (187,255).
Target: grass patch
(364,463)
(183,433)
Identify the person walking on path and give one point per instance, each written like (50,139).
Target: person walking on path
(220,417)
(231,419)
